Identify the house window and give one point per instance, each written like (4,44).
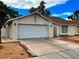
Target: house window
(77,29)
(64,29)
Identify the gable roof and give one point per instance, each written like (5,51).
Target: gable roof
(49,18)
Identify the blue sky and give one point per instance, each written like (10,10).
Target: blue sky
(66,9)
(58,8)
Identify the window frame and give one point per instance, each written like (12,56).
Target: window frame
(64,29)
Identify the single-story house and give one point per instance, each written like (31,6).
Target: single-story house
(36,25)
(33,26)
(63,27)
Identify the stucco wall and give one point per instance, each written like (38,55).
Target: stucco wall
(58,30)
(71,30)
(76,30)
(33,19)
(51,31)
(5,32)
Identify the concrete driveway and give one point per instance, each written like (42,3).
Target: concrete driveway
(52,49)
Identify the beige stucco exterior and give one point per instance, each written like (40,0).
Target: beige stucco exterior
(32,19)
(76,32)
(72,30)
(5,32)
(36,19)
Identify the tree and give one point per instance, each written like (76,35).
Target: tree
(40,9)
(76,13)
(47,12)
(74,16)
(4,12)
(70,17)
(32,10)
(12,13)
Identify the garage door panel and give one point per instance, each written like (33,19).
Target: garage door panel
(31,31)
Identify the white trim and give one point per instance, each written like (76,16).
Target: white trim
(40,15)
(29,15)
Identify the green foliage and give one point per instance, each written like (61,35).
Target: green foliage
(12,13)
(40,9)
(6,13)
(47,12)
(32,10)
(74,16)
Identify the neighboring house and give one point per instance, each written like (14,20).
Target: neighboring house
(68,28)
(36,25)
(63,27)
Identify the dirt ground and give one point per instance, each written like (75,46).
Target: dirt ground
(13,50)
(74,39)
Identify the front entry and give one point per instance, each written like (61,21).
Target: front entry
(55,31)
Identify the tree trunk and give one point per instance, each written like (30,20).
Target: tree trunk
(0,35)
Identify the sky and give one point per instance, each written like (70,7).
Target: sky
(58,8)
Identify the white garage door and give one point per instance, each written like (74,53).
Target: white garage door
(32,31)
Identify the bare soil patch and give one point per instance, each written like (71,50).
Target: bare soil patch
(13,50)
(74,39)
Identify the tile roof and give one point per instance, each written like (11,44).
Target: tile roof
(59,20)
(62,21)
(76,22)
(56,19)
